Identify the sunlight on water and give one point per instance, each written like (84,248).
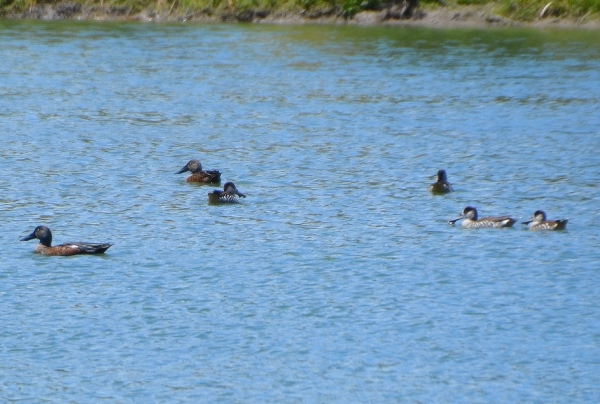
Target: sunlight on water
(338,278)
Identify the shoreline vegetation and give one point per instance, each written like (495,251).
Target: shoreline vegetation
(576,14)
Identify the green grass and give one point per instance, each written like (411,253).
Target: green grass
(471,2)
(520,10)
(528,10)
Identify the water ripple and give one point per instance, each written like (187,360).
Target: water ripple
(338,278)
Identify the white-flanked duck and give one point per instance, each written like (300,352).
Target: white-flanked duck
(229,194)
(539,222)
(471,220)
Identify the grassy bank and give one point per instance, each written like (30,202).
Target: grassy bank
(528,10)
(250,10)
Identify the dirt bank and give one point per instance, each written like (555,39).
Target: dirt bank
(441,17)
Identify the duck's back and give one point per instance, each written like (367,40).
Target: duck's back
(68,249)
(489,222)
(221,197)
(205,176)
(440,188)
(499,221)
(550,225)
(92,248)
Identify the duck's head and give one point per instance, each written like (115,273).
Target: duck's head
(42,233)
(193,166)
(229,188)
(469,213)
(441,176)
(538,216)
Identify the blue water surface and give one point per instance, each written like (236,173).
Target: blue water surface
(338,278)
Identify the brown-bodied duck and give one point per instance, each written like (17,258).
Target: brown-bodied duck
(197,175)
(45,246)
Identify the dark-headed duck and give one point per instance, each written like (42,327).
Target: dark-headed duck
(539,222)
(469,214)
(45,246)
(442,186)
(229,194)
(195,167)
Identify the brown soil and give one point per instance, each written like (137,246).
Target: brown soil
(442,17)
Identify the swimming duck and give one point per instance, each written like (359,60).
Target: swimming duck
(469,214)
(45,245)
(195,167)
(442,186)
(228,195)
(539,222)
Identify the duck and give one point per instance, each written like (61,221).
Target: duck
(538,222)
(195,167)
(45,246)
(229,194)
(471,221)
(441,186)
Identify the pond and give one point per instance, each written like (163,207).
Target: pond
(338,278)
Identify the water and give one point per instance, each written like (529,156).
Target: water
(337,279)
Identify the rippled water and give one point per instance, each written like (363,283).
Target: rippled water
(337,279)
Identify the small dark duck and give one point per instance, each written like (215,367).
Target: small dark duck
(469,214)
(195,167)
(442,186)
(539,222)
(229,194)
(45,247)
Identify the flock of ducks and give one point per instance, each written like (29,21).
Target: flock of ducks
(471,219)
(230,194)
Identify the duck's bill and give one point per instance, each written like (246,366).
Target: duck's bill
(454,220)
(527,222)
(184,169)
(30,237)
(240,194)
